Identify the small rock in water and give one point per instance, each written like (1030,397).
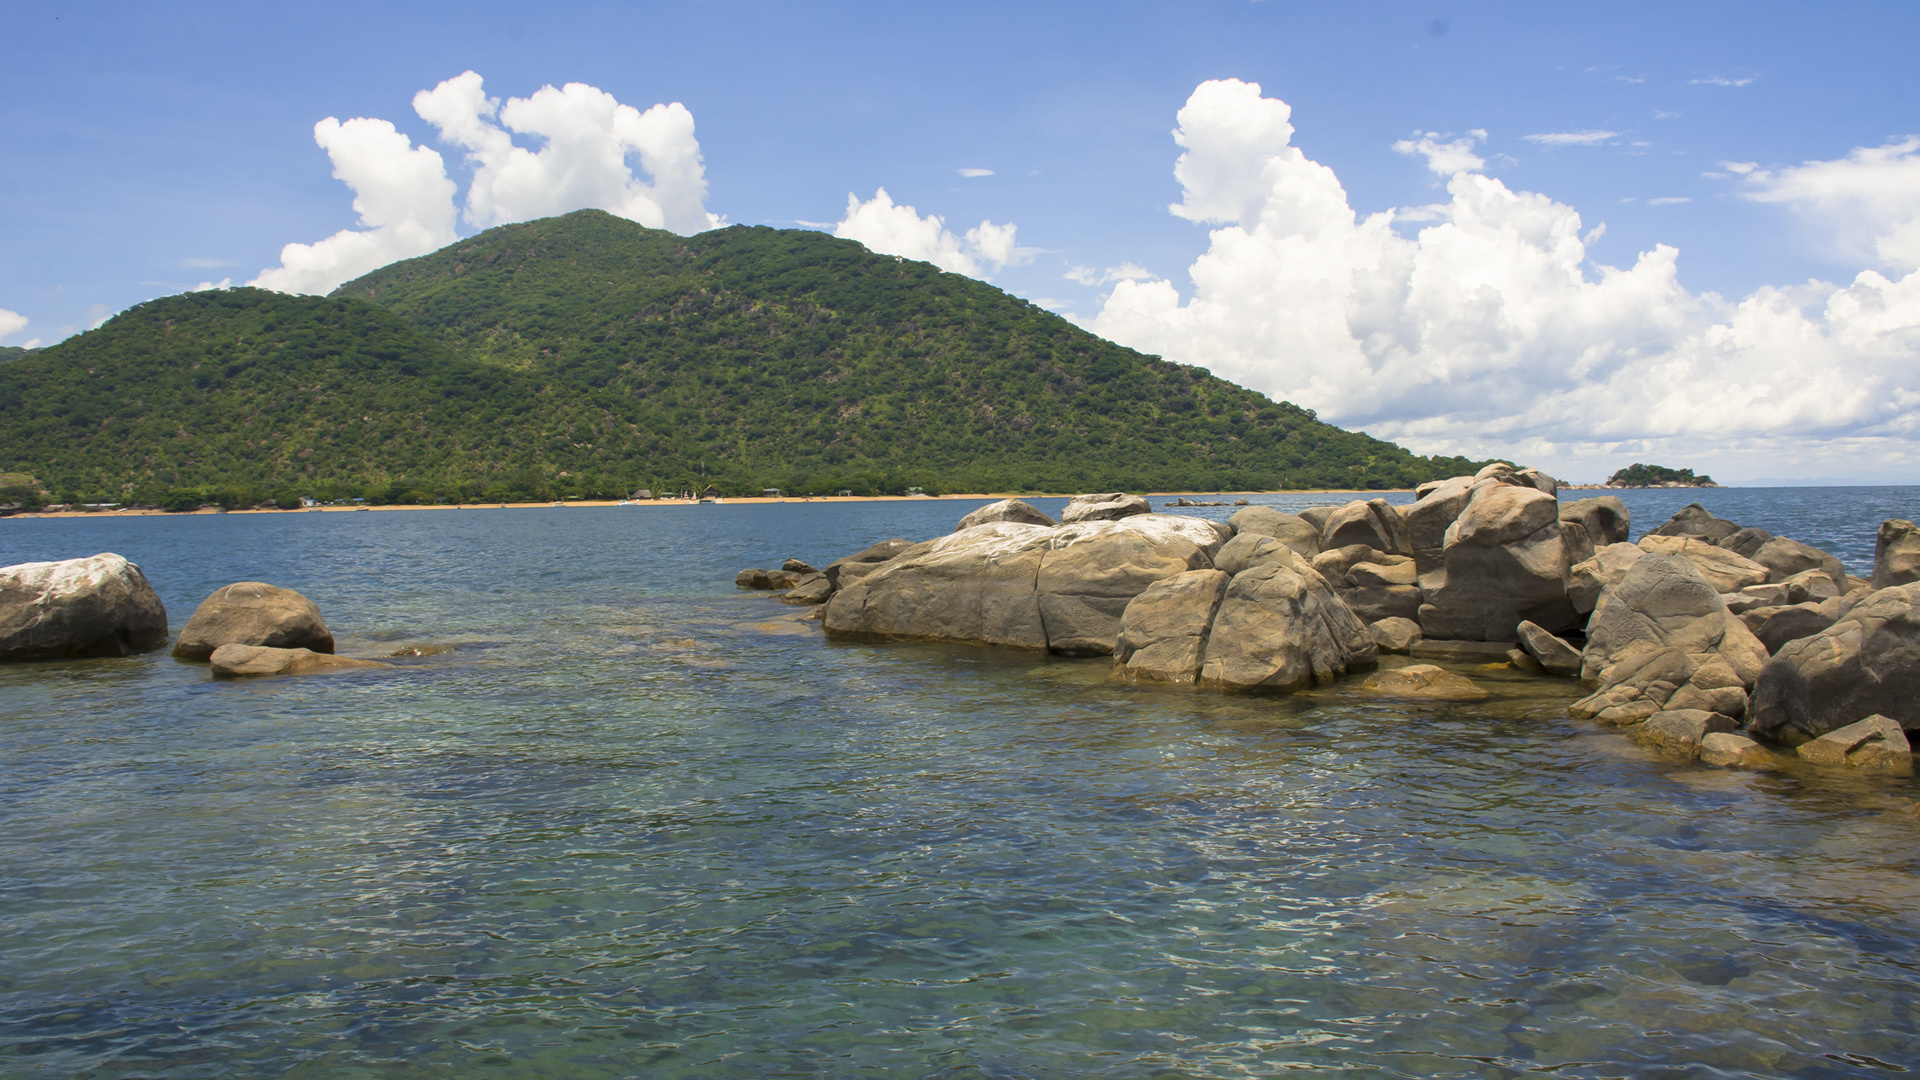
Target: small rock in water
(253,613)
(1425,681)
(812,589)
(421,650)
(239,661)
(797,567)
(1728,750)
(1873,743)
(1395,635)
(1681,730)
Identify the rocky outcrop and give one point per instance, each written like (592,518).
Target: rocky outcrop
(1896,554)
(98,606)
(1866,663)
(1426,681)
(1375,523)
(241,661)
(1023,586)
(1281,627)
(1290,529)
(1873,743)
(864,561)
(1005,510)
(1661,640)
(253,613)
(1591,524)
(1727,570)
(1109,507)
(1163,632)
(1504,562)
(1694,520)
(1586,580)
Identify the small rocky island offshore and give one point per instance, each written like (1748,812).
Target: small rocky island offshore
(1657,476)
(1705,638)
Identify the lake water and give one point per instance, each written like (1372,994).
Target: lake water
(635,825)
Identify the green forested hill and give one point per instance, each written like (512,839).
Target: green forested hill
(584,353)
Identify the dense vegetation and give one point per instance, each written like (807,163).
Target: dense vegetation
(1638,475)
(586,355)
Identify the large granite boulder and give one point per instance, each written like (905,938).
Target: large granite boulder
(1437,504)
(1784,558)
(1163,632)
(1662,639)
(1694,520)
(1587,580)
(1005,510)
(1023,586)
(1729,571)
(1280,626)
(1504,563)
(1896,554)
(1247,549)
(1591,524)
(98,606)
(1290,529)
(1867,662)
(863,562)
(1108,507)
(241,661)
(253,613)
(1375,523)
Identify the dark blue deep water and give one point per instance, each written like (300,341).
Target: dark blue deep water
(638,824)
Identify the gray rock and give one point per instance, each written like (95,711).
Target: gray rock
(1504,562)
(1163,632)
(1755,596)
(1394,635)
(1776,626)
(98,606)
(1663,637)
(1374,584)
(1867,662)
(1896,554)
(810,589)
(253,613)
(1586,580)
(1247,549)
(1814,585)
(1108,507)
(1591,524)
(1538,480)
(1553,654)
(1727,750)
(1681,731)
(1096,568)
(1290,529)
(1375,523)
(863,562)
(1873,743)
(1280,626)
(1784,558)
(1694,520)
(1005,510)
(1746,541)
(1425,681)
(1317,516)
(1437,505)
(1727,570)
(239,661)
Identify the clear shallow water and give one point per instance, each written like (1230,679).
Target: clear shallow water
(635,825)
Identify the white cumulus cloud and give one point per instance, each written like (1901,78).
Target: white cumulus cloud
(11,323)
(898,229)
(587,139)
(1445,158)
(1868,203)
(1489,333)
(400,191)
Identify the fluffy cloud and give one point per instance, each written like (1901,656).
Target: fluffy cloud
(400,191)
(1445,158)
(406,201)
(11,323)
(897,229)
(1489,333)
(587,139)
(1868,202)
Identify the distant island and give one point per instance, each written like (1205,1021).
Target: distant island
(589,357)
(1652,476)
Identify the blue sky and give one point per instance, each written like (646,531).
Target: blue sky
(153,147)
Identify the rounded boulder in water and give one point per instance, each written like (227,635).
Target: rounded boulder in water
(253,613)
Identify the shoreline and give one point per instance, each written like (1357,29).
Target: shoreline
(750,500)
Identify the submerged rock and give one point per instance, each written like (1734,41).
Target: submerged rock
(239,661)
(253,613)
(1425,681)
(98,606)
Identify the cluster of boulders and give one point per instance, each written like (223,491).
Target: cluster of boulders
(103,606)
(1705,637)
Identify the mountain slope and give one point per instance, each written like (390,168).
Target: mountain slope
(585,354)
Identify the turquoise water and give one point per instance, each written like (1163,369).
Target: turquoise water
(637,824)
